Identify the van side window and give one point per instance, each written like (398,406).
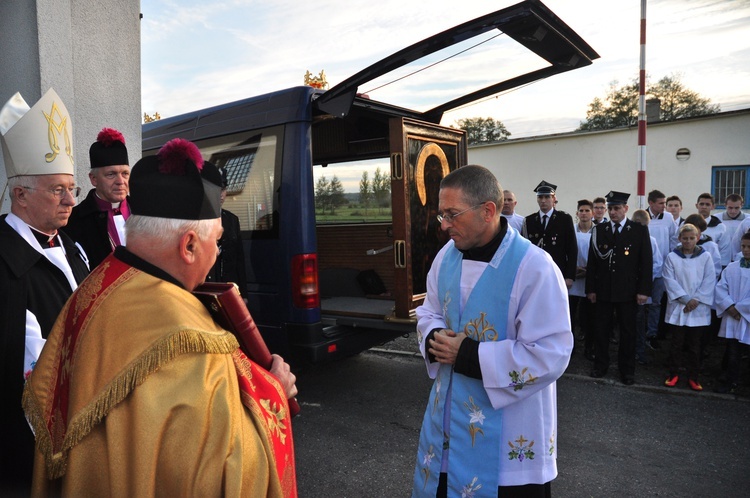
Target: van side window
(353,192)
(252,162)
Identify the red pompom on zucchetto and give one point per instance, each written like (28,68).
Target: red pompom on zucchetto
(173,154)
(108,136)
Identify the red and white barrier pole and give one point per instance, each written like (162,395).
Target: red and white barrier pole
(642,114)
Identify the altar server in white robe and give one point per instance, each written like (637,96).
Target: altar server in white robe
(732,300)
(689,276)
(495,334)
(732,218)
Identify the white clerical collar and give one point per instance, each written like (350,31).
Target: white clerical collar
(115,205)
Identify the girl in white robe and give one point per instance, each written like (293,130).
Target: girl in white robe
(689,276)
(732,301)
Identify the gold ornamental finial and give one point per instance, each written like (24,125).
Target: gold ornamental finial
(148,119)
(318,81)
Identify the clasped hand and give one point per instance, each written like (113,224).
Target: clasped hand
(445,344)
(690,306)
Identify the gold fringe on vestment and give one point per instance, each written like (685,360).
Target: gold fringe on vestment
(165,350)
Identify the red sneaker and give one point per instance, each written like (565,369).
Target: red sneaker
(695,385)
(671,381)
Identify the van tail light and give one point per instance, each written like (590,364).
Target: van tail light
(305,292)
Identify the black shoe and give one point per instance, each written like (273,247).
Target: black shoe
(727,388)
(597,374)
(653,343)
(628,381)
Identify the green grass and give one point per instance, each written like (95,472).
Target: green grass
(354,214)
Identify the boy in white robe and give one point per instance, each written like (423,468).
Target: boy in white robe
(642,217)
(689,277)
(732,297)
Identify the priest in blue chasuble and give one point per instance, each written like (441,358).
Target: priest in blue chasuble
(495,333)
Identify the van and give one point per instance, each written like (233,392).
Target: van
(326,280)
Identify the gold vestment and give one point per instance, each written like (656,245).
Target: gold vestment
(139,393)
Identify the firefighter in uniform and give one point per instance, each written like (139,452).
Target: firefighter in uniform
(553,231)
(618,278)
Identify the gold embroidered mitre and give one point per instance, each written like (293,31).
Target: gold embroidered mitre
(39,140)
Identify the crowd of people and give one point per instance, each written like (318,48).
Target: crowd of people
(665,278)
(118,382)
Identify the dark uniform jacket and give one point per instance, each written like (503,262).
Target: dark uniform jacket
(28,281)
(617,271)
(87,225)
(559,239)
(230,264)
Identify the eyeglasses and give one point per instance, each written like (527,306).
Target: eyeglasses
(448,218)
(59,192)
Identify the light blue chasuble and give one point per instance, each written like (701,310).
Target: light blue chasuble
(473,428)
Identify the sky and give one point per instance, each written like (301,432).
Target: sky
(200,53)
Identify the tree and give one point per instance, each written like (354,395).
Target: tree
(678,102)
(483,130)
(620,105)
(381,189)
(336,194)
(364,191)
(321,194)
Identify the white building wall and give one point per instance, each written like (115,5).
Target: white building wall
(587,165)
(89,51)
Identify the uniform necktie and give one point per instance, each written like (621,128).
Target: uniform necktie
(544,222)
(616,231)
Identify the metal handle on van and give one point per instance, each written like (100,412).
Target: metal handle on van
(373,252)
(397,170)
(399,253)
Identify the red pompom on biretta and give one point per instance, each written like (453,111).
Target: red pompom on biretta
(173,154)
(176,183)
(108,136)
(109,149)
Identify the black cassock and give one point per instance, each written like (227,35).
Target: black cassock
(28,281)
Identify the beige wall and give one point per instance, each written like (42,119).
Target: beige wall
(89,52)
(586,165)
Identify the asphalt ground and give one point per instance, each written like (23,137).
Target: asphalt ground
(357,433)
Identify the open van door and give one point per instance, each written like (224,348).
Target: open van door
(421,151)
(555,48)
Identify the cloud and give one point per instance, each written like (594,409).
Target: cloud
(197,54)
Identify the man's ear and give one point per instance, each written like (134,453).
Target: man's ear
(188,246)
(20,194)
(92,178)
(491,209)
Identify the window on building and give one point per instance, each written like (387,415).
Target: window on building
(729,180)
